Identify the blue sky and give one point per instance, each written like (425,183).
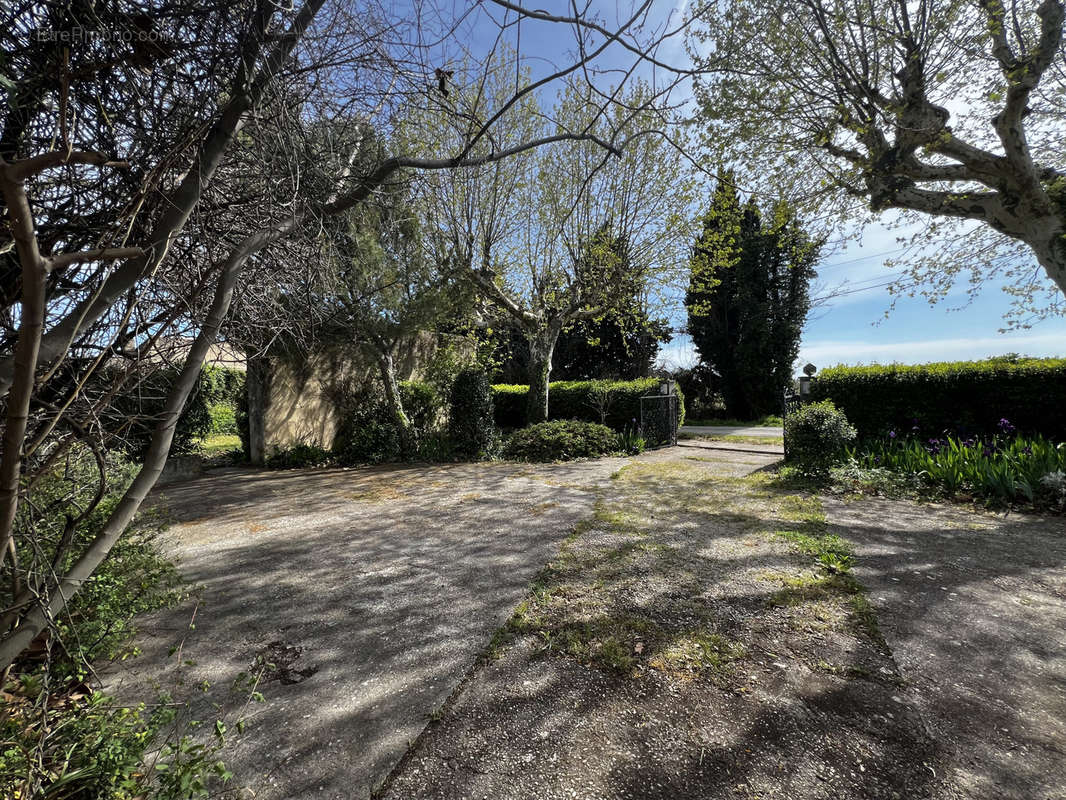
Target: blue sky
(853,329)
(850,329)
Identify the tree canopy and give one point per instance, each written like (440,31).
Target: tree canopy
(748,298)
(948,112)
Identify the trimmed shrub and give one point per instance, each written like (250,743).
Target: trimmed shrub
(509,404)
(368,435)
(422,404)
(471,425)
(816,436)
(964,397)
(367,441)
(561,440)
(582,400)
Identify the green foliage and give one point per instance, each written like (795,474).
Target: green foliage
(471,425)
(967,398)
(58,738)
(561,440)
(582,400)
(86,746)
(631,442)
(422,403)
(135,411)
(702,391)
(134,578)
(748,298)
(1000,470)
(768,421)
(221,384)
(816,436)
(454,353)
(367,441)
(369,435)
(299,456)
(223,418)
(621,344)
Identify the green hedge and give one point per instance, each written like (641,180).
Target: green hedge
(576,400)
(135,412)
(967,397)
(561,440)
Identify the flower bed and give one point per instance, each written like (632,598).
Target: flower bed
(1002,469)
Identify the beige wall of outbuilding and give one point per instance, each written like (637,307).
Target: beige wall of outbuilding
(295,401)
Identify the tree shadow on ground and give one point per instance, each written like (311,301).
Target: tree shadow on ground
(814,709)
(383,595)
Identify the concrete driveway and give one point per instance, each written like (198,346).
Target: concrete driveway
(730,430)
(371,591)
(358,598)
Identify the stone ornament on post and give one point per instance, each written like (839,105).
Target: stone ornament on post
(805,382)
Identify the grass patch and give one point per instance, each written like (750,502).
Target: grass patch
(812,537)
(697,652)
(768,441)
(581,605)
(630,591)
(218,443)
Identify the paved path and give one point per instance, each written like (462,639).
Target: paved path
(372,591)
(973,607)
(729,430)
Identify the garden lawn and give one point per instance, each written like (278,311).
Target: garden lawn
(219,443)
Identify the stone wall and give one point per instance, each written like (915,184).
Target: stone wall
(293,402)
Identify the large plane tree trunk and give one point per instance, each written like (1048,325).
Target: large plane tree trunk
(541,349)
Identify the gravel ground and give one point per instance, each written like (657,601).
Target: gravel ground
(973,606)
(602,691)
(369,591)
(679,643)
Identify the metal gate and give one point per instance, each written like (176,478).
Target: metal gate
(658,419)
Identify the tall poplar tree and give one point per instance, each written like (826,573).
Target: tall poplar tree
(748,298)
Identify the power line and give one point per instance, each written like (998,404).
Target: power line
(864,258)
(834,295)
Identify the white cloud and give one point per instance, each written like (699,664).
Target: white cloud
(679,354)
(827,353)
(824,353)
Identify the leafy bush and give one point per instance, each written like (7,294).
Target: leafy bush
(815,437)
(471,426)
(582,400)
(367,441)
(561,440)
(135,411)
(966,398)
(223,418)
(221,384)
(368,434)
(299,456)
(422,403)
(1001,470)
(59,738)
